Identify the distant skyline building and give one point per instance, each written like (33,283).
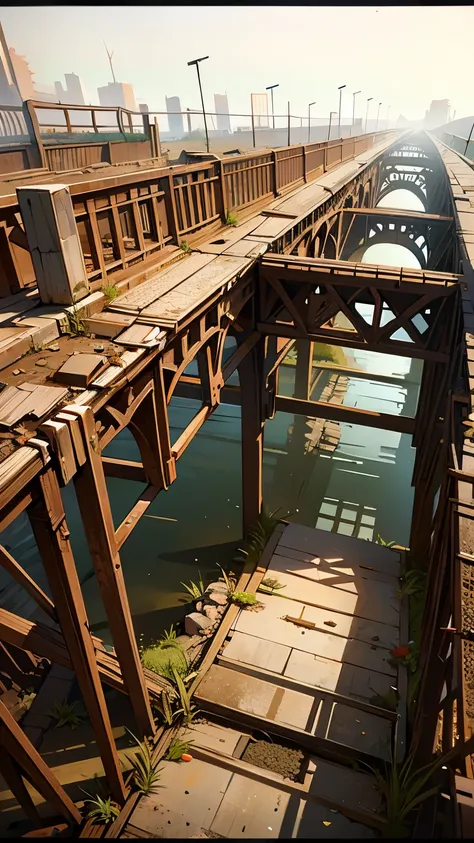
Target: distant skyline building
(222,110)
(73,93)
(438,114)
(175,120)
(118,94)
(23,74)
(259,104)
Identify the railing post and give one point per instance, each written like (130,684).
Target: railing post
(171,209)
(304,163)
(275,171)
(223,187)
(32,126)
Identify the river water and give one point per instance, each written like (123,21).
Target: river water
(363,488)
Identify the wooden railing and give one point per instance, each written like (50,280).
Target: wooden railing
(123,219)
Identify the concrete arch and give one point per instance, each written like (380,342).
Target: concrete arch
(395,237)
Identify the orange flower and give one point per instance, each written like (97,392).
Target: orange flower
(400,652)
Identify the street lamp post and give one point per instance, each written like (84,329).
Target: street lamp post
(196,62)
(354,106)
(340,103)
(270,88)
(330,121)
(309,120)
(378,112)
(369,99)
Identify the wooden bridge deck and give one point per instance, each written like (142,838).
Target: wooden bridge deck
(312,683)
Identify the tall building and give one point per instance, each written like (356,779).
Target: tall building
(222,110)
(118,94)
(438,114)
(175,120)
(73,93)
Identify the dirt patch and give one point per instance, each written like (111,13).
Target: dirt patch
(272,756)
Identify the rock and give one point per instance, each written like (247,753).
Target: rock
(199,606)
(41,362)
(196,623)
(211,612)
(16,372)
(217,586)
(218,598)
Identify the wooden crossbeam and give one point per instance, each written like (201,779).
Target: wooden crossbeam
(353,415)
(399,214)
(17,745)
(124,469)
(23,578)
(138,510)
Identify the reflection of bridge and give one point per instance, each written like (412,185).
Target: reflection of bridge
(102,256)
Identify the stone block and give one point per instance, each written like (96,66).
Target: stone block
(195,622)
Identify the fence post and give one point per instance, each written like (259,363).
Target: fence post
(468,140)
(253,131)
(223,186)
(304,163)
(33,129)
(171,209)
(289,125)
(275,171)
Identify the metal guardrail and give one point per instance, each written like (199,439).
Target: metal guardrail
(465,146)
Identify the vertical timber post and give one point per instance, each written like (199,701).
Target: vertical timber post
(252,421)
(304,369)
(94,504)
(52,537)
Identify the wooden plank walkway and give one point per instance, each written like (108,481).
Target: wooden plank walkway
(312,682)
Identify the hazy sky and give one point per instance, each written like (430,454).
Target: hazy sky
(402,56)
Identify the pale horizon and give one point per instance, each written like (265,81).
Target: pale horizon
(404,57)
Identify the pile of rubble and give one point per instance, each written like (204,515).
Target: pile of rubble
(208,611)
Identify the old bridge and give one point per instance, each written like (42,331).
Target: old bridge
(231,299)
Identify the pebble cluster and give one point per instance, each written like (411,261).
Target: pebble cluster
(272,756)
(208,611)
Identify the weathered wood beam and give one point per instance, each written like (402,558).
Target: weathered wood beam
(94,504)
(15,507)
(233,362)
(23,578)
(190,431)
(403,349)
(12,774)
(16,472)
(17,745)
(303,369)
(52,537)
(353,415)
(130,521)
(252,423)
(124,469)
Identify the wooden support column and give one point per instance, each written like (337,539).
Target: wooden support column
(252,421)
(304,369)
(94,504)
(14,742)
(52,537)
(12,774)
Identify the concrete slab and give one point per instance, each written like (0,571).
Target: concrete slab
(258,652)
(251,810)
(313,822)
(358,729)
(333,545)
(348,787)
(337,566)
(210,736)
(347,679)
(187,801)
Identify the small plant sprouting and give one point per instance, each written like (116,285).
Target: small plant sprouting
(77,326)
(103,811)
(382,542)
(269,585)
(413,584)
(67,714)
(228,579)
(177,749)
(145,776)
(196,590)
(110,292)
(188,710)
(169,636)
(243,598)
(185,247)
(231,218)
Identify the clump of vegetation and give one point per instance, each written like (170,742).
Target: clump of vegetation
(231,218)
(257,538)
(412,584)
(103,811)
(169,636)
(165,657)
(110,292)
(145,776)
(196,590)
(389,700)
(244,598)
(77,326)
(177,749)
(187,709)
(67,714)
(402,790)
(185,247)
(329,354)
(269,585)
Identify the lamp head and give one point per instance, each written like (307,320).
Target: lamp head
(195,61)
